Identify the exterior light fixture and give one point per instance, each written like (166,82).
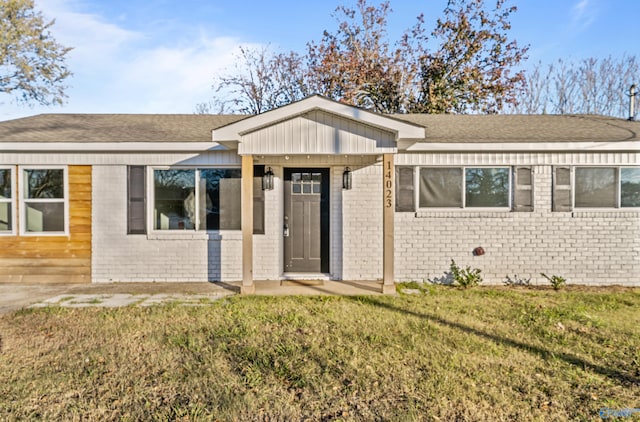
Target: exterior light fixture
(267,179)
(346,178)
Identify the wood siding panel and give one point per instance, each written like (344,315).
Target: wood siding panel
(317,132)
(54,259)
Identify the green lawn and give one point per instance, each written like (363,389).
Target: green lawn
(446,354)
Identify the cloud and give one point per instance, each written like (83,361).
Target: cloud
(119,70)
(175,79)
(583,14)
(92,38)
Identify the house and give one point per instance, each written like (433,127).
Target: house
(318,189)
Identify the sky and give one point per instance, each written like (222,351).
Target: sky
(161,56)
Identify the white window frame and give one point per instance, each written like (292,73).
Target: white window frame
(464,207)
(11,201)
(23,200)
(618,206)
(152,201)
(620,168)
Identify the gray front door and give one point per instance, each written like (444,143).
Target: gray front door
(306,220)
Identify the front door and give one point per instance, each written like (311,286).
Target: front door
(306,220)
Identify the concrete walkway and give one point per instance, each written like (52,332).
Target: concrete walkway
(17,296)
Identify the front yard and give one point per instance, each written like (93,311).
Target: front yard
(490,353)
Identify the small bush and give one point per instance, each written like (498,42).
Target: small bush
(466,277)
(556,281)
(517,281)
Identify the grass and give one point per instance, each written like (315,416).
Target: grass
(445,354)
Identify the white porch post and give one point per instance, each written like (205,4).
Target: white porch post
(247,226)
(388,200)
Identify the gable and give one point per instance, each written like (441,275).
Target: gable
(318,132)
(317,125)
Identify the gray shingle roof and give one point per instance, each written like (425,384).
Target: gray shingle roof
(114,127)
(524,128)
(197,128)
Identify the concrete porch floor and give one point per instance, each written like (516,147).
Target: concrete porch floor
(17,296)
(324,287)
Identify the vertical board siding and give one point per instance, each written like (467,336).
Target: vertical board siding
(318,132)
(54,259)
(517,158)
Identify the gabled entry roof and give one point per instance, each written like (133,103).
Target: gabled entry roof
(317,125)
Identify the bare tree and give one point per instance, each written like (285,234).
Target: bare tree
(589,86)
(534,98)
(469,70)
(259,81)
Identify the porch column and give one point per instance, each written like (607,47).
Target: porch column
(247,226)
(388,199)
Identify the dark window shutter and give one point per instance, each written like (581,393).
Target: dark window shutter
(405,189)
(562,201)
(258,200)
(136,204)
(523,191)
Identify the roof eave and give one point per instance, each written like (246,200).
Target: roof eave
(550,146)
(96,147)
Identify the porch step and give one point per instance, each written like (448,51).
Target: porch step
(306,276)
(302,283)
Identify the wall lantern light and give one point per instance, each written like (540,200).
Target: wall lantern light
(346,178)
(267,179)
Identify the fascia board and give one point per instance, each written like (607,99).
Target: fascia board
(633,146)
(111,146)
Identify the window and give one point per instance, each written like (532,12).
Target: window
(44,206)
(220,202)
(480,187)
(440,187)
(306,183)
(197,199)
(596,187)
(630,187)
(6,200)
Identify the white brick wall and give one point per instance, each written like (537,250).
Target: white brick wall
(584,247)
(117,256)
(362,224)
(267,256)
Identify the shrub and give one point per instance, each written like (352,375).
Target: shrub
(556,281)
(517,281)
(466,277)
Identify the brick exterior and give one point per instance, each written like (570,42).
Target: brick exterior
(586,247)
(598,248)
(165,257)
(362,224)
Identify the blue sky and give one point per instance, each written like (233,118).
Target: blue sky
(160,56)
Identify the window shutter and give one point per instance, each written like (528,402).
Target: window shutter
(258,200)
(136,205)
(405,189)
(562,189)
(523,191)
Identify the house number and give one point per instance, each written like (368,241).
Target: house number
(388,186)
